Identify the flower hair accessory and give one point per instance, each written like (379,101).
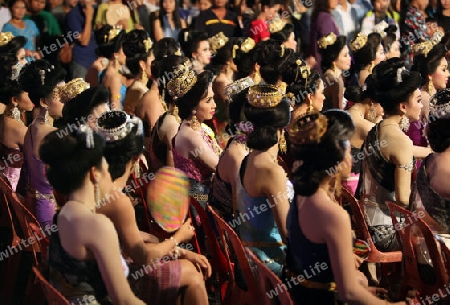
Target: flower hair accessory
(276,24)
(5,38)
(148,44)
(183,81)
(380,28)
(326,41)
(217,42)
(399,74)
(264,96)
(122,122)
(308,129)
(89,134)
(439,111)
(237,87)
(358,42)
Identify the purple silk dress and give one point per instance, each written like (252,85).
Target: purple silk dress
(417,136)
(40,193)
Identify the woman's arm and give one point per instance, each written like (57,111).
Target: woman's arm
(114,90)
(107,254)
(200,150)
(151,108)
(402,156)
(157,29)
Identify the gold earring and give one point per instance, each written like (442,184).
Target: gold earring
(257,77)
(370,68)
(430,86)
(310,107)
(137,169)
(334,69)
(144,77)
(195,124)
(282,146)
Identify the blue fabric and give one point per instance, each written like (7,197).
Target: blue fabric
(168,31)
(30,32)
(83,55)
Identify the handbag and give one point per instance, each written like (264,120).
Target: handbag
(65,54)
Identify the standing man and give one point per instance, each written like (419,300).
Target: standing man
(79,20)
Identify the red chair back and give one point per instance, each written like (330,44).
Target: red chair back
(269,283)
(236,256)
(53,296)
(362,232)
(405,231)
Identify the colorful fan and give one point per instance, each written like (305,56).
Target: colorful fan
(361,248)
(168,198)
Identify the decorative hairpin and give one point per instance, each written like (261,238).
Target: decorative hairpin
(113,33)
(283,50)
(276,24)
(246,46)
(16,71)
(71,89)
(426,46)
(399,74)
(264,96)
(42,75)
(237,87)
(326,41)
(125,125)
(217,42)
(308,128)
(183,81)
(89,134)
(380,28)
(302,69)
(358,42)
(5,38)
(148,44)
(439,111)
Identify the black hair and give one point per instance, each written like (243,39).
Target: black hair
(190,41)
(79,108)
(393,87)
(165,47)
(69,160)
(331,52)
(119,152)
(10,88)
(296,84)
(175,15)
(427,65)
(39,78)
(7,62)
(192,98)
(108,48)
(266,122)
(438,132)
(364,56)
(236,106)
(245,62)
(222,56)
(390,38)
(14,45)
(12,2)
(164,71)
(283,35)
(357,94)
(320,158)
(135,50)
(268,57)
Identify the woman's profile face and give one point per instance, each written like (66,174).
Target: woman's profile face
(379,56)
(21,57)
(440,76)
(414,106)
(318,97)
(169,6)
(203,55)
(54,104)
(344,61)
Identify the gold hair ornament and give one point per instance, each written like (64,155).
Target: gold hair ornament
(358,42)
(71,89)
(118,133)
(183,81)
(217,42)
(148,44)
(247,45)
(264,96)
(302,69)
(237,87)
(380,28)
(276,24)
(5,38)
(308,128)
(113,33)
(283,50)
(327,41)
(425,47)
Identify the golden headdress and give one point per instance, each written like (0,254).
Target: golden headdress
(264,96)
(183,81)
(247,45)
(237,87)
(358,42)
(5,38)
(276,24)
(124,125)
(426,46)
(326,41)
(308,128)
(217,41)
(112,34)
(71,89)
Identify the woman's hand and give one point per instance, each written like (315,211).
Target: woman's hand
(186,231)
(200,262)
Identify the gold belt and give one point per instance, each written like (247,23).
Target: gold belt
(314,285)
(200,197)
(262,244)
(33,193)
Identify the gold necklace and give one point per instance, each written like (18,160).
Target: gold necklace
(274,159)
(83,203)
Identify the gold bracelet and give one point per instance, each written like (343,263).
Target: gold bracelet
(117,96)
